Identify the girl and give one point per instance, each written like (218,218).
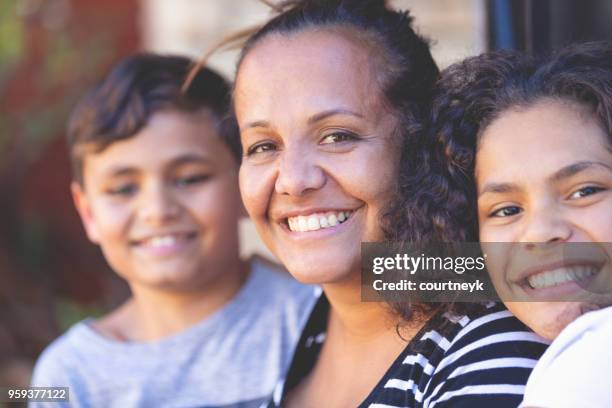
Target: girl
(533,139)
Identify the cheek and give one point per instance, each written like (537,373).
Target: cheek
(596,221)
(370,175)
(217,205)
(497,258)
(487,232)
(112,221)
(256,188)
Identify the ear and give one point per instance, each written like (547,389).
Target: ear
(83,207)
(242,212)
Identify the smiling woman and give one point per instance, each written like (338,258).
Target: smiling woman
(329,98)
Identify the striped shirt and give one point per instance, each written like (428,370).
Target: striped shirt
(478,360)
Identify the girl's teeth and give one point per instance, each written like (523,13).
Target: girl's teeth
(560,276)
(317,221)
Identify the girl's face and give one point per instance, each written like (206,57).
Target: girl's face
(544,175)
(320,156)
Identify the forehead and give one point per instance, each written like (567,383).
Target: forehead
(168,136)
(305,71)
(540,139)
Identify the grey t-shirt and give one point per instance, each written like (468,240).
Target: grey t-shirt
(231,359)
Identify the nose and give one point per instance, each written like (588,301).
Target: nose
(158,205)
(299,173)
(547,225)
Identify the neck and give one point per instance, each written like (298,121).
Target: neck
(360,322)
(350,317)
(154,313)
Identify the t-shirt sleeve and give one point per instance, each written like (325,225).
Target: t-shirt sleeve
(487,367)
(581,370)
(55,367)
(49,371)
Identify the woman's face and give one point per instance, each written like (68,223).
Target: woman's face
(320,156)
(544,175)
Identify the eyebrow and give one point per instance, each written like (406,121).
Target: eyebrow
(122,171)
(573,169)
(317,117)
(332,112)
(499,188)
(190,158)
(562,174)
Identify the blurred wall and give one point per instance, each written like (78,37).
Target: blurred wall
(50,51)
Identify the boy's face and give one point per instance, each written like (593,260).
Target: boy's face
(544,175)
(164,204)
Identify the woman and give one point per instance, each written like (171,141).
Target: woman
(533,139)
(327,96)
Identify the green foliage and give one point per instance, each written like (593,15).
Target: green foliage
(69,313)
(11,37)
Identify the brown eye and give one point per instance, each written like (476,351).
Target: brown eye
(261,148)
(125,190)
(585,192)
(506,212)
(192,179)
(338,137)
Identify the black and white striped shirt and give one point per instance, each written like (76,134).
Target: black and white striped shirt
(480,360)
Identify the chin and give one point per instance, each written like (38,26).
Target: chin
(317,273)
(553,317)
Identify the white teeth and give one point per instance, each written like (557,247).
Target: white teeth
(315,222)
(323,222)
(561,275)
(165,241)
(302,223)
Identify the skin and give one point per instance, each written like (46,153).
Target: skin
(173,177)
(317,137)
(534,192)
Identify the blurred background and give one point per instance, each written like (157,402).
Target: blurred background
(51,51)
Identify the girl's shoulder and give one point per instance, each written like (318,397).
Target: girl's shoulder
(484,356)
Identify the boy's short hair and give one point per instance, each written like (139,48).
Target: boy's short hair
(135,89)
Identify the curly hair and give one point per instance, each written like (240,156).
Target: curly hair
(437,198)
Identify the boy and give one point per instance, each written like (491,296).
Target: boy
(155,184)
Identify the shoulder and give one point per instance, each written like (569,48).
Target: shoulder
(488,358)
(53,366)
(278,286)
(582,347)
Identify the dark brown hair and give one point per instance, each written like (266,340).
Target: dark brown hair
(402,57)
(136,88)
(438,197)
